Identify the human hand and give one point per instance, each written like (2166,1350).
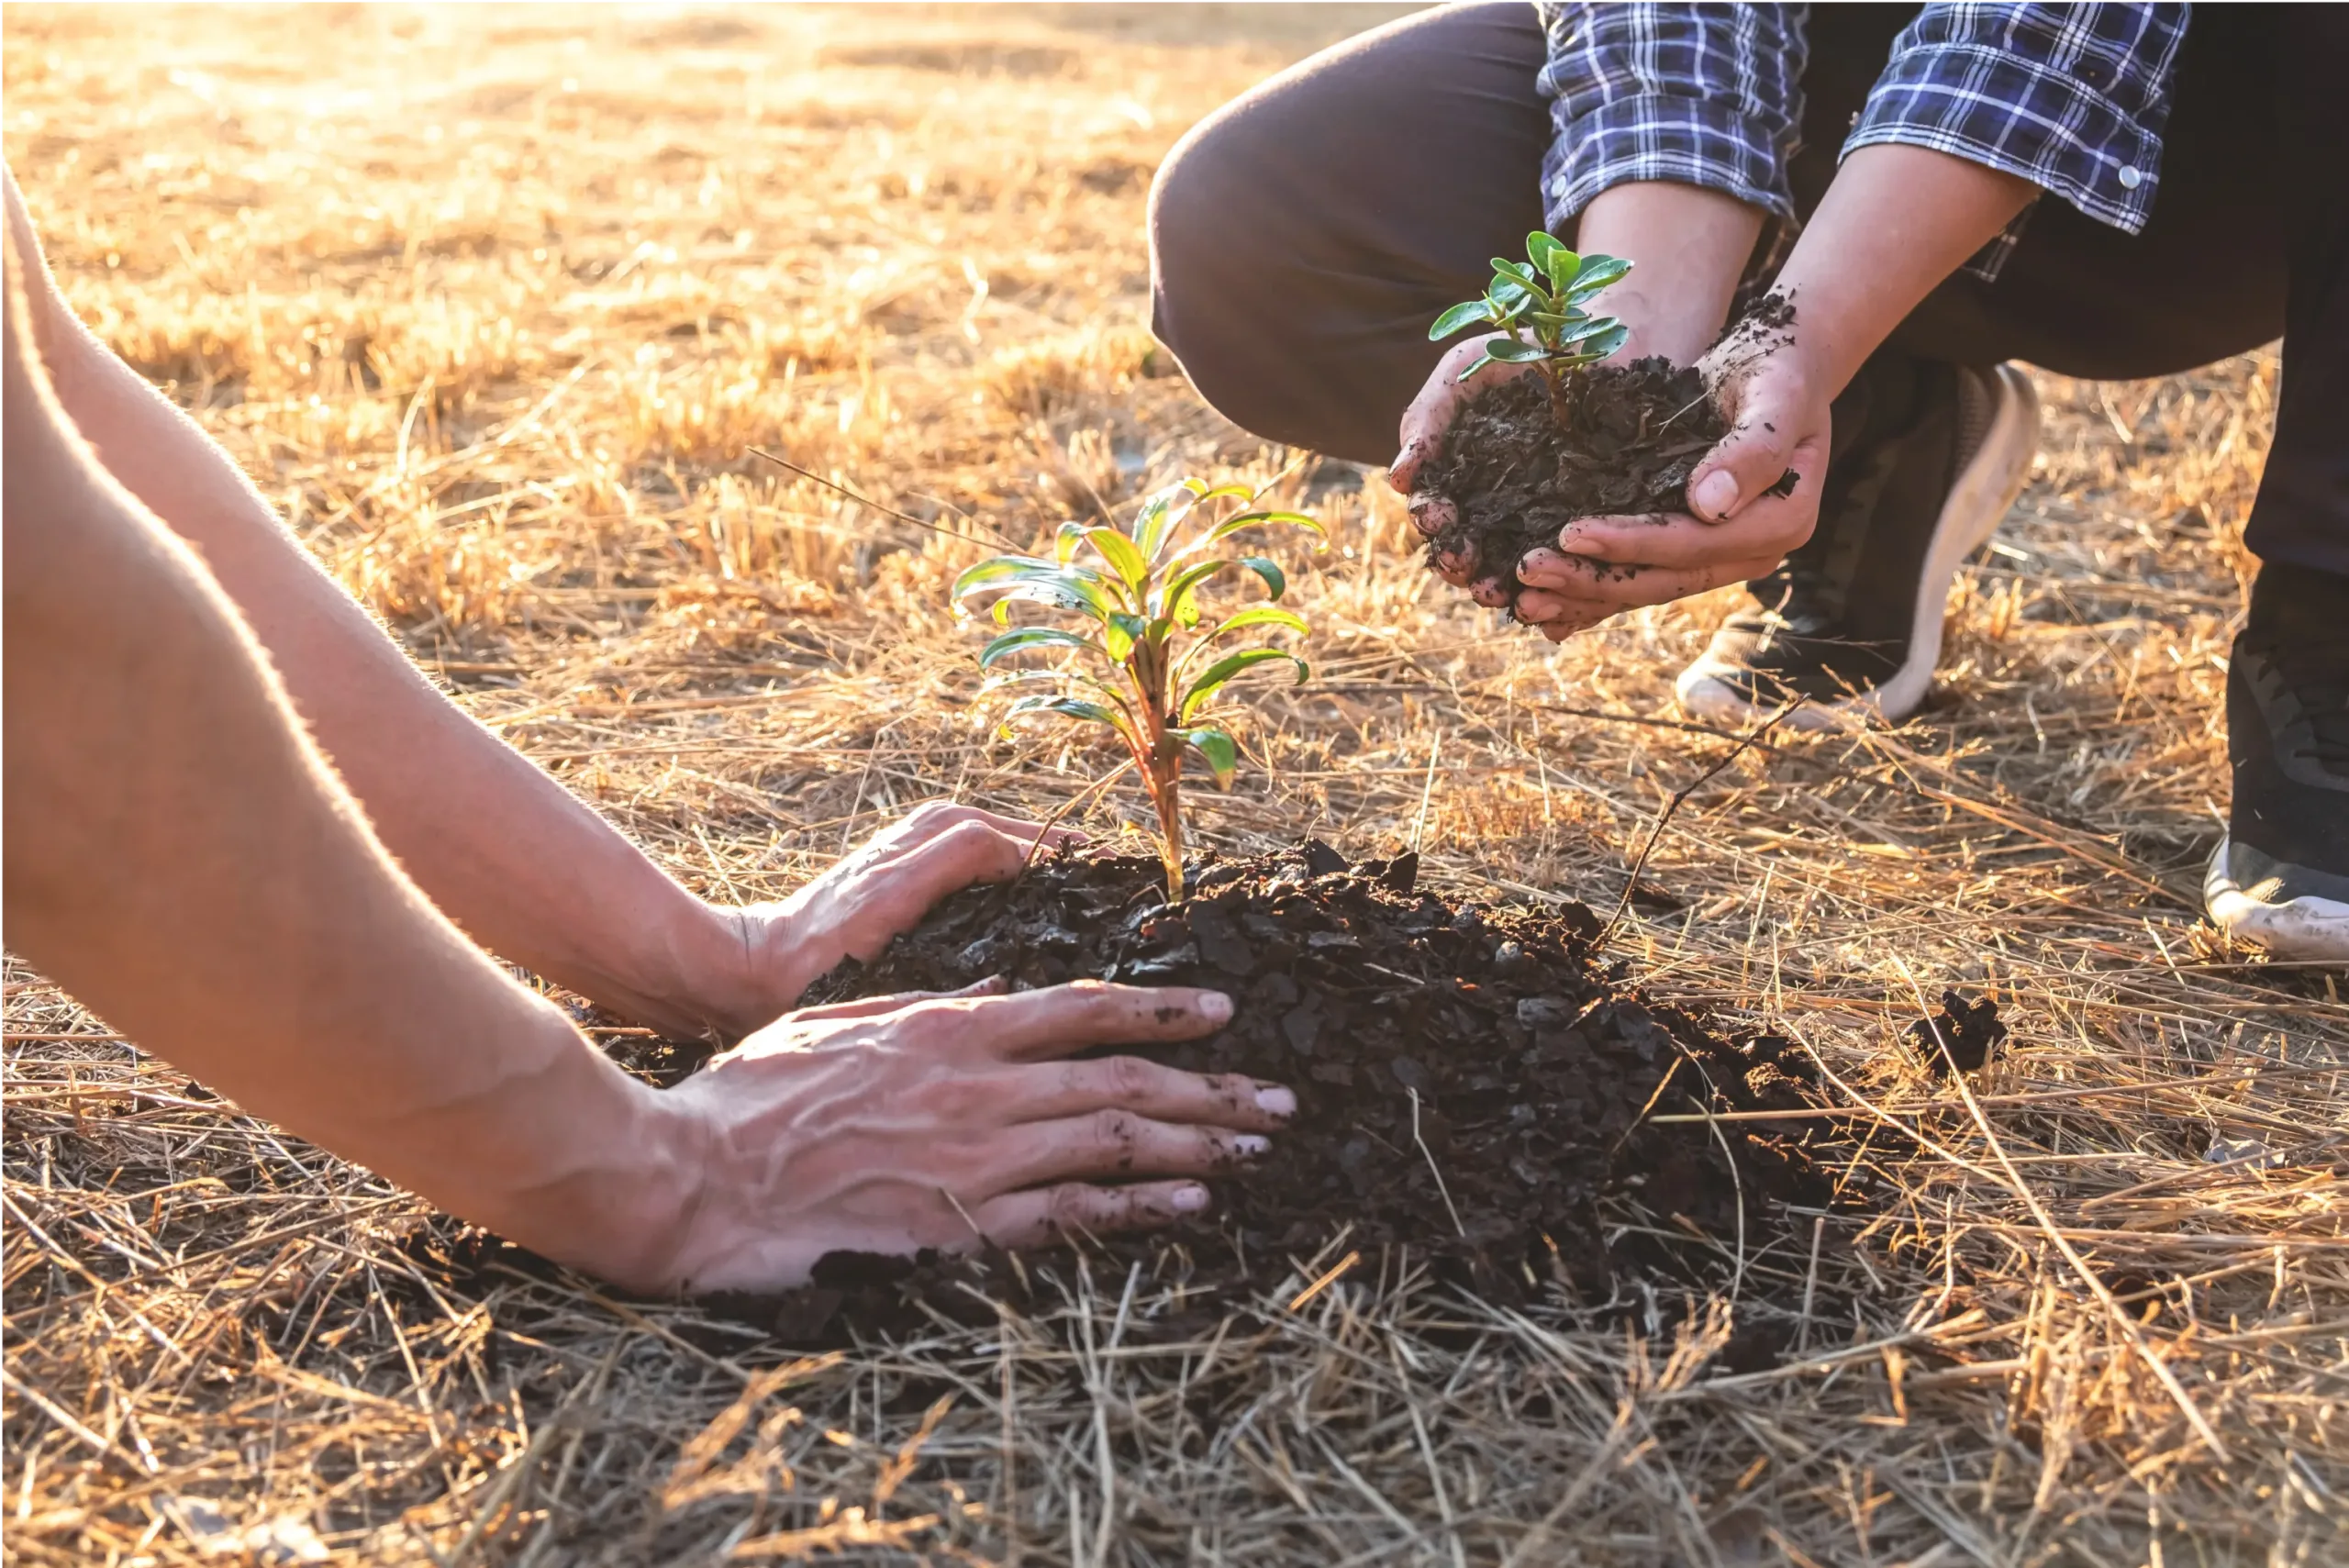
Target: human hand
(1741,522)
(884,888)
(906,1122)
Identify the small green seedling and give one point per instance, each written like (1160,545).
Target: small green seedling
(1139,662)
(1546,300)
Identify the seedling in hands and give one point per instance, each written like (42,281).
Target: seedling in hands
(1546,301)
(1136,668)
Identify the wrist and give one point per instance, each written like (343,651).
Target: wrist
(617,1191)
(1680,335)
(1687,247)
(700,975)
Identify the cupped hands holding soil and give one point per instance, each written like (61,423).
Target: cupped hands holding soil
(1518,461)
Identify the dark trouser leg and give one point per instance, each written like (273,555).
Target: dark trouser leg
(1303,236)
(2301,514)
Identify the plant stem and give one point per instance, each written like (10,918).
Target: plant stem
(1166,793)
(1560,408)
(1160,756)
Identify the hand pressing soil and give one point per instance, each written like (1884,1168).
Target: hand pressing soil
(1473,1089)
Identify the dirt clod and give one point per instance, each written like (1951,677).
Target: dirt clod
(1961,1038)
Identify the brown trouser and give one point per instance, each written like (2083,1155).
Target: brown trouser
(1303,236)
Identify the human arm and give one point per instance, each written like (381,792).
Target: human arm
(512,857)
(182,860)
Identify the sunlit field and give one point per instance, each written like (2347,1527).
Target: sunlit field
(493,303)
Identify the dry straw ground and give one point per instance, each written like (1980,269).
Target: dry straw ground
(493,301)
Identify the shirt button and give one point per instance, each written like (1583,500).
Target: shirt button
(2129,178)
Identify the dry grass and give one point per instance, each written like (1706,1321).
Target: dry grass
(494,301)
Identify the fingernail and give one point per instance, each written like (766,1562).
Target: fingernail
(1215,1006)
(1277,1101)
(1250,1144)
(1715,493)
(1190,1200)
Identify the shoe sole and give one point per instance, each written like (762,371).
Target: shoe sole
(2305,928)
(1979,502)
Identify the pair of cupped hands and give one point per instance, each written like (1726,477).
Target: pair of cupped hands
(1741,520)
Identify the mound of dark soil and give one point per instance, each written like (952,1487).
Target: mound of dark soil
(1517,467)
(1421,1036)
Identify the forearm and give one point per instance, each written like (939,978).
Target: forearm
(1895,222)
(505,850)
(1688,247)
(180,859)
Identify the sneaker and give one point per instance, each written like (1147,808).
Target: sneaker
(1853,619)
(2280,877)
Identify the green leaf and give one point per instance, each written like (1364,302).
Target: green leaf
(1155,523)
(1215,677)
(1539,246)
(1605,343)
(1119,552)
(1179,599)
(1215,748)
(1459,317)
(1597,273)
(1068,708)
(1482,360)
(1270,571)
(1512,351)
(1590,327)
(1261,615)
(1066,542)
(1563,266)
(1040,582)
(1255,615)
(1517,271)
(1029,637)
(1118,637)
(1230,525)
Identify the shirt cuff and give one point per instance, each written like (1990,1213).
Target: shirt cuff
(2058,134)
(1659,135)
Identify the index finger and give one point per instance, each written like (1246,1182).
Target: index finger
(1061,1020)
(1663,541)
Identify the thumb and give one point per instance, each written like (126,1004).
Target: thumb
(1751,459)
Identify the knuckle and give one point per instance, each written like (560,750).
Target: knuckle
(1130,1077)
(1070,1205)
(1116,1133)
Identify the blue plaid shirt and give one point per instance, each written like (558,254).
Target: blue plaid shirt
(2072,98)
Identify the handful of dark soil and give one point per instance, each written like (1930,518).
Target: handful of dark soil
(1516,475)
(1472,1087)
